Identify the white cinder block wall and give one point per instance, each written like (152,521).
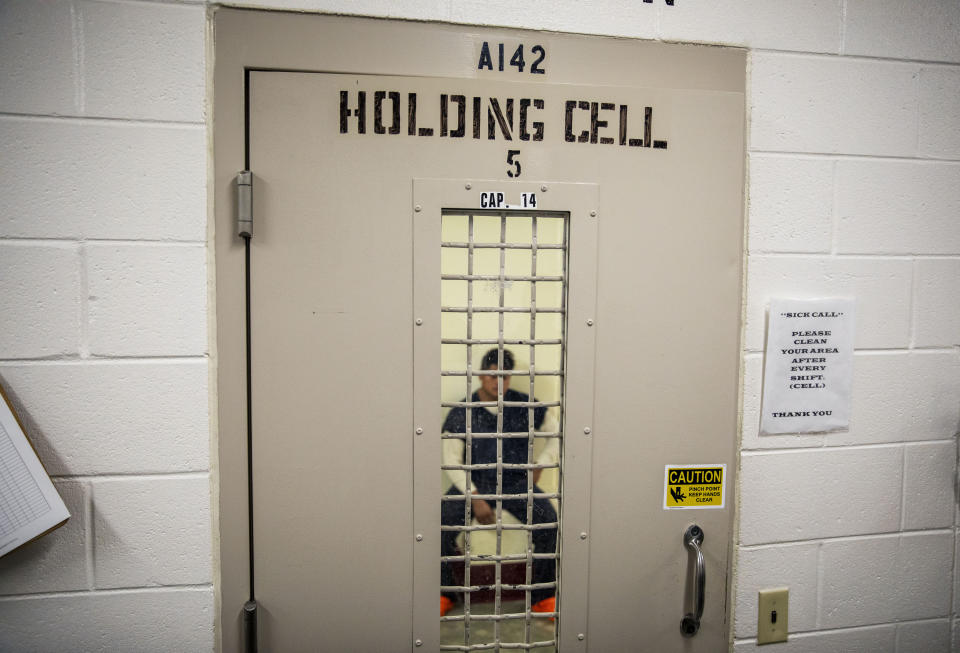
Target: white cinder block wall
(103,320)
(854,156)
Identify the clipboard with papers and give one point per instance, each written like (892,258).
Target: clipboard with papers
(29,503)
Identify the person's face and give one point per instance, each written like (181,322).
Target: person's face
(488,385)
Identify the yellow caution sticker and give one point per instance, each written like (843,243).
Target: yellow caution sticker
(693,486)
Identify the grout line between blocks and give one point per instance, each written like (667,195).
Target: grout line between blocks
(892,158)
(658,28)
(134,476)
(953,585)
(861,256)
(87,120)
(843,27)
(79,58)
(903,488)
(841,56)
(84,303)
(914,289)
(918,108)
(944,530)
(105,360)
(91,534)
(162,589)
(136,242)
(754,453)
(819,588)
(179,3)
(834,200)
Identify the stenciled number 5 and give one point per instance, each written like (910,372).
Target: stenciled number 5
(515,162)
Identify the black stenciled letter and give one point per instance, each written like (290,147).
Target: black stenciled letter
(569,106)
(412,118)
(506,124)
(584,136)
(444,104)
(476,117)
(461,101)
(485,60)
(537,126)
(378,98)
(596,124)
(360,112)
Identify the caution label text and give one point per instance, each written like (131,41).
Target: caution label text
(693,486)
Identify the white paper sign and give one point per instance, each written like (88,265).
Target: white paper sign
(809,366)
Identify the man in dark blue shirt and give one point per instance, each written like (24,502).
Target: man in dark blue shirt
(512,415)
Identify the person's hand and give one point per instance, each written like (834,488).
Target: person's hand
(483,512)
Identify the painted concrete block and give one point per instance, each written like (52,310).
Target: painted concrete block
(791,204)
(752,394)
(793,566)
(38,72)
(956,582)
(898,207)
(143,60)
(936,303)
(78,179)
(609,17)
(832,105)
(939,110)
(57,562)
(780,24)
(929,471)
(881,287)
(903,30)
(903,397)
(804,495)
(40,287)
(169,620)
(887,578)
(925,636)
(873,639)
(147,300)
(114,417)
(897,397)
(425,10)
(152,532)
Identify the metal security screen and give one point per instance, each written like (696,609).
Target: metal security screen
(503,306)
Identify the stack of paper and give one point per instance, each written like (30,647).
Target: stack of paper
(29,504)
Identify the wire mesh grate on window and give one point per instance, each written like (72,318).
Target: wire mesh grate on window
(503,278)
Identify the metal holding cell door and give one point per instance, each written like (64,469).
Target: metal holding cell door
(395,244)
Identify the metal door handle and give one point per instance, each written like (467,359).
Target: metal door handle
(692,539)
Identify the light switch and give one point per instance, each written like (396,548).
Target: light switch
(772,615)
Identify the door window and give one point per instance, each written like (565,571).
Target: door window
(503,293)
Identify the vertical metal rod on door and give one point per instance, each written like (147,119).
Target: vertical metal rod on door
(245,231)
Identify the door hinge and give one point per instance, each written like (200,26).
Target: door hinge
(245,204)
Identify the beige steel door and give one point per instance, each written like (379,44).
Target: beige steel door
(416,206)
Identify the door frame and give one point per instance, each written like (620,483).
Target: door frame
(234,56)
